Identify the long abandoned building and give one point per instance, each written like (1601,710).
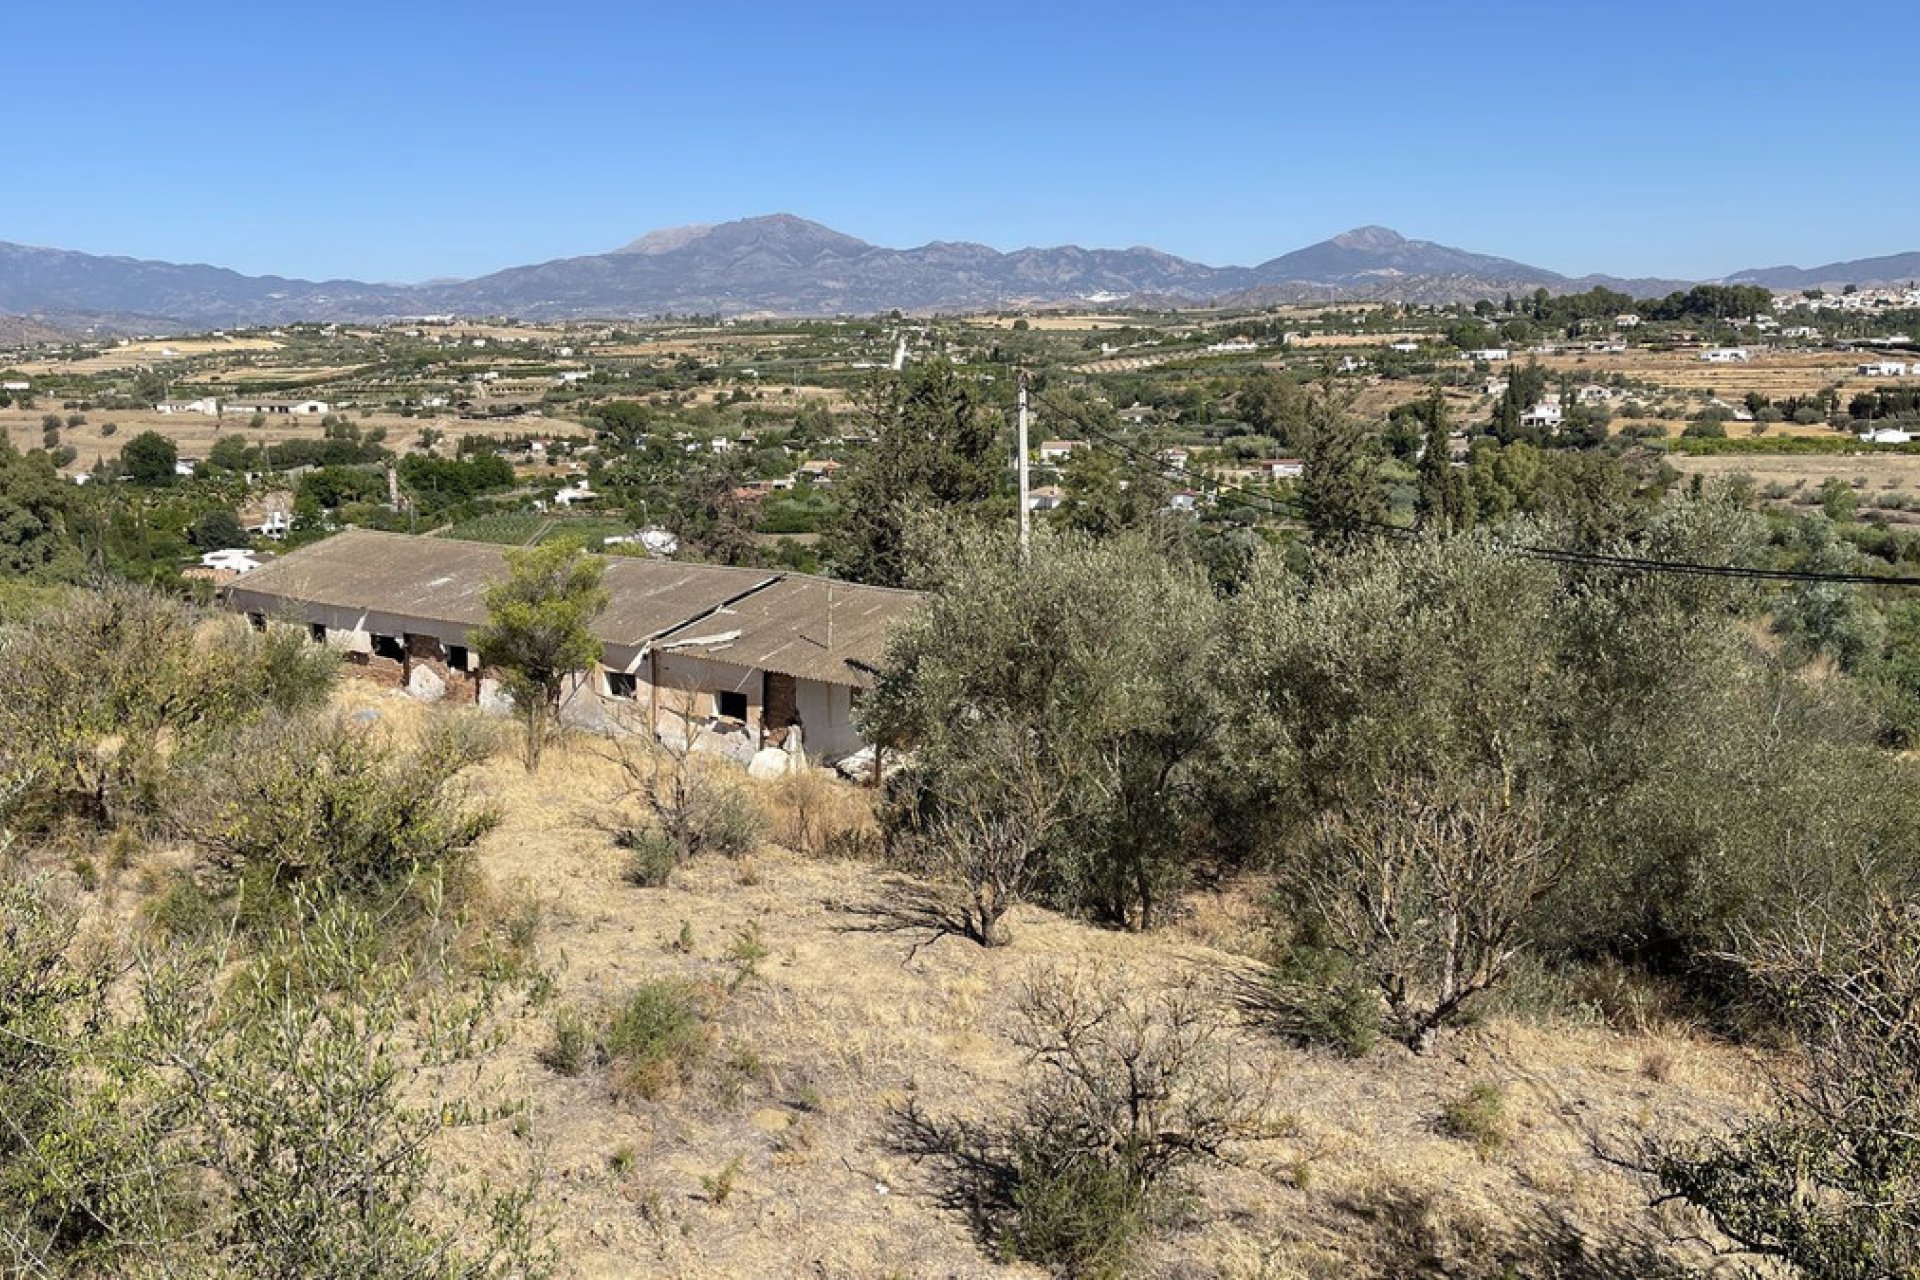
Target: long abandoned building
(759,659)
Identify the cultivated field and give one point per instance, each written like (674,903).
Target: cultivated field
(194,434)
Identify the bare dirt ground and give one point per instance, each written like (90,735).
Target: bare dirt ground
(840,1026)
(1879,472)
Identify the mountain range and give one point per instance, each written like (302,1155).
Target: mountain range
(784,265)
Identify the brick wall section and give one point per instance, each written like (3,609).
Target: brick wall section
(427,651)
(382,671)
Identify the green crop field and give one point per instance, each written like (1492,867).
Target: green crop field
(526,528)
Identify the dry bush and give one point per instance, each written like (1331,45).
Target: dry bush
(651,1042)
(657,1038)
(816,815)
(1829,1183)
(697,803)
(1428,890)
(1479,1116)
(1126,1093)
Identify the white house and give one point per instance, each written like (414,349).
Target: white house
(1544,414)
(1883,369)
(1233,347)
(1488,354)
(1185,500)
(1058,450)
(1046,497)
(573,493)
(572,376)
(207,405)
(274,524)
(1887,435)
(1626,320)
(1283,468)
(16,385)
(720,444)
(1725,355)
(1405,348)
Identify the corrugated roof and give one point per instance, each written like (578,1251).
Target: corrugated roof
(783,620)
(811,628)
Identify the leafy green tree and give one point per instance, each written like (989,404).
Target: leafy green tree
(1340,489)
(539,630)
(933,447)
(36,510)
(1273,404)
(219,528)
(1086,667)
(1106,495)
(149,459)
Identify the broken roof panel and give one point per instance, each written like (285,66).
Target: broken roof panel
(809,628)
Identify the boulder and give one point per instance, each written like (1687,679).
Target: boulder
(494,699)
(771,763)
(425,684)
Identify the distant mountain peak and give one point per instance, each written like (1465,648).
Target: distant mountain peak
(771,229)
(1374,239)
(667,239)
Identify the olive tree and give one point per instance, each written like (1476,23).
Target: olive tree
(539,630)
(1086,667)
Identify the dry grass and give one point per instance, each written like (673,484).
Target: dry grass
(780,1156)
(1882,472)
(194,435)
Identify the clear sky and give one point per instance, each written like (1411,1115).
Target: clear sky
(415,138)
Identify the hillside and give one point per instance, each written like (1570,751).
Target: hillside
(843,1022)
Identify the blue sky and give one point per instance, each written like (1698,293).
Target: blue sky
(407,140)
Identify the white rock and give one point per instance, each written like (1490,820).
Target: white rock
(769,763)
(425,684)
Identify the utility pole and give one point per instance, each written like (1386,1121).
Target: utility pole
(1026,518)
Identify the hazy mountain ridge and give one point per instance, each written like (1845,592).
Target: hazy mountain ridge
(783,264)
(1893,268)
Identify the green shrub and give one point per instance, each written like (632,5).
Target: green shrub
(657,1038)
(101,697)
(302,810)
(1079,1216)
(1479,1116)
(572,1048)
(1311,996)
(651,856)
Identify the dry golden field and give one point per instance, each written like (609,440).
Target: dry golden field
(1774,375)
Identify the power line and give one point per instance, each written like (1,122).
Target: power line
(1592,559)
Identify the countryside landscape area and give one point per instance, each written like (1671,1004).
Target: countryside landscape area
(827,743)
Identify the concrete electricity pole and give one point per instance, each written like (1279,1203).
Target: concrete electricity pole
(1026,518)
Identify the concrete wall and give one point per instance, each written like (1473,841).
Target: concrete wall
(826,719)
(825,710)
